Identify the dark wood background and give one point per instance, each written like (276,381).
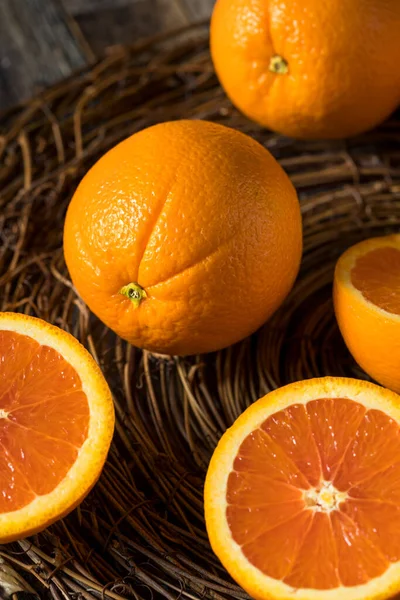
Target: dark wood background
(43,41)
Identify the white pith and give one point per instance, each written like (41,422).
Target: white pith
(324,498)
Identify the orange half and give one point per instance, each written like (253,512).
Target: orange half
(302,495)
(367,306)
(56,424)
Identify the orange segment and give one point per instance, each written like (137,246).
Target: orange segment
(244,487)
(15,490)
(384,486)
(44,416)
(376,275)
(376,446)
(20,351)
(56,422)
(334,423)
(381,520)
(259,452)
(247,523)
(275,551)
(359,559)
(308,569)
(65,417)
(367,306)
(290,427)
(41,460)
(46,375)
(302,493)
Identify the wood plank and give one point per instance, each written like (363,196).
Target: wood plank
(37,48)
(79,7)
(126,24)
(198,10)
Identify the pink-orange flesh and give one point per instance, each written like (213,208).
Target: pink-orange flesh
(377,276)
(305,448)
(44,419)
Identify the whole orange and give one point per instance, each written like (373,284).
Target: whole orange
(184,238)
(309,69)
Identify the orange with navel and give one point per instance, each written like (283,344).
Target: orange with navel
(56,424)
(367,306)
(302,496)
(309,69)
(184,238)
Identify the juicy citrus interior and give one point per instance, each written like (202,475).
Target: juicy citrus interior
(376,275)
(44,419)
(314,495)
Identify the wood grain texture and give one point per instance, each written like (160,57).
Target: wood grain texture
(37,48)
(78,7)
(194,9)
(198,10)
(43,41)
(125,24)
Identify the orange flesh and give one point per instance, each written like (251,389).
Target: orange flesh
(44,419)
(377,276)
(314,495)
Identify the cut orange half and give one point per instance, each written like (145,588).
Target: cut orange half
(56,424)
(302,495)
(367,306)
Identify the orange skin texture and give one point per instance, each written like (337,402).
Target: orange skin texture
(203,218)
(372,335)
(342,55)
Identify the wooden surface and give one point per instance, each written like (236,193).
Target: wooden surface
(43,41)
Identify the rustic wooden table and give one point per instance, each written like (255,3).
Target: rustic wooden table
(43,41)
